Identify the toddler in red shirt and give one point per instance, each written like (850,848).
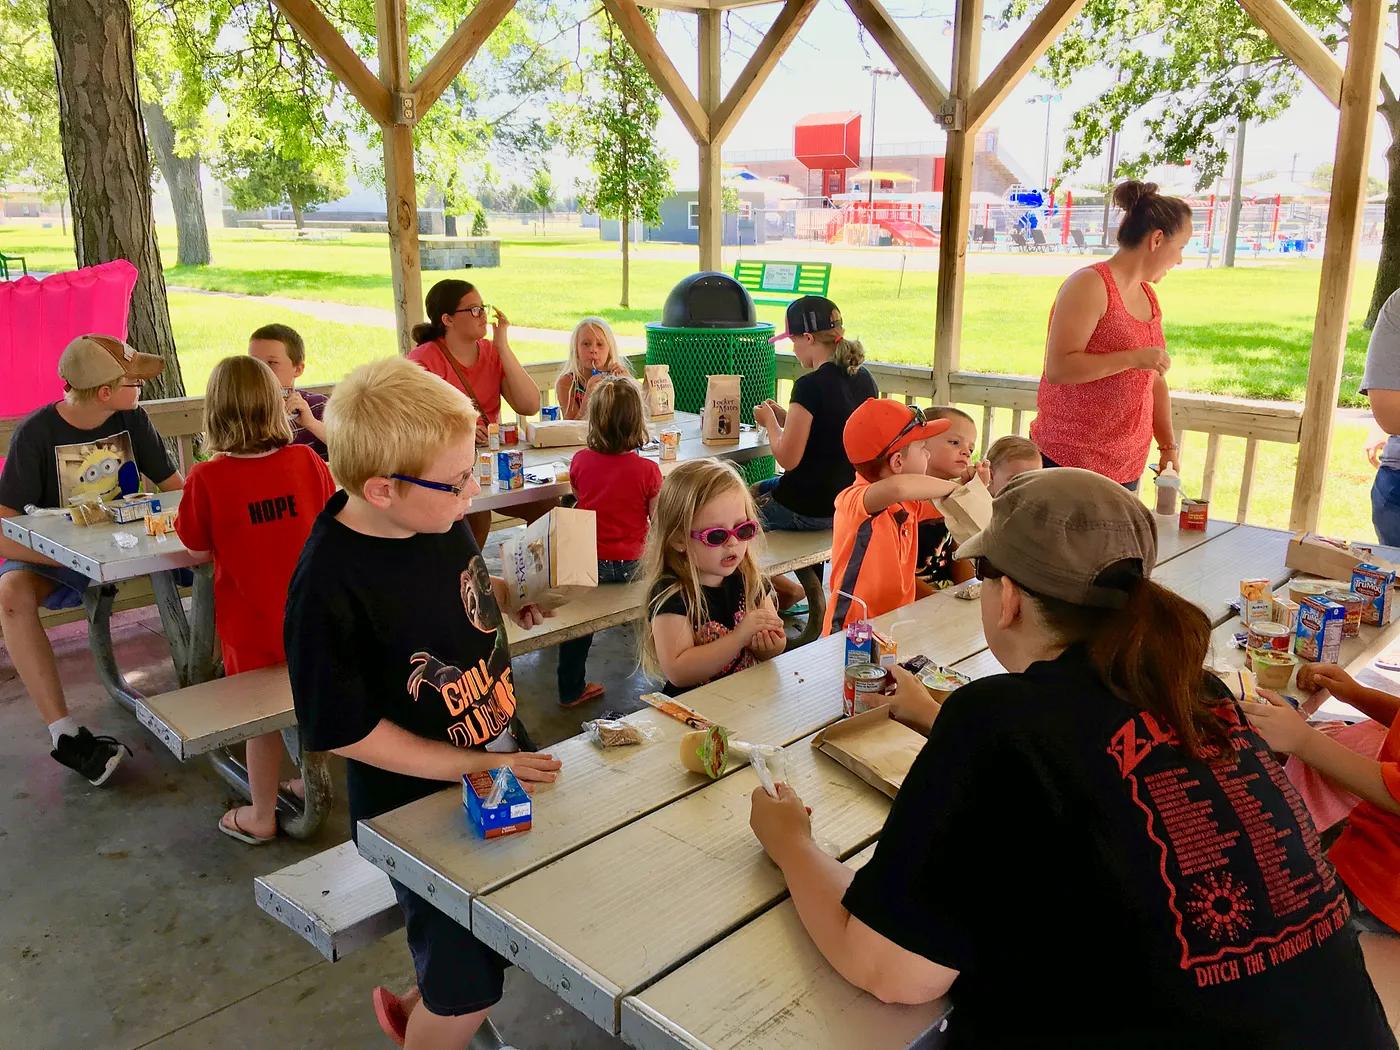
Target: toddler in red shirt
(610,479)
(252,507)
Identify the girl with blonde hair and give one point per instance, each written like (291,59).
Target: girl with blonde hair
(592,358)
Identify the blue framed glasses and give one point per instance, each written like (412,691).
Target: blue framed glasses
(436,486)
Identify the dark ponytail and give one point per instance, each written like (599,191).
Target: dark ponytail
(1145,210)
(443,298)
(1151,654)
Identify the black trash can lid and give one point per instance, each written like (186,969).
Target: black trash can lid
(709,300)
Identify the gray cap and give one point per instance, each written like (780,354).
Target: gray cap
(1055,531)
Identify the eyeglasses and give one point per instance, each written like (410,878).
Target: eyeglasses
(916,420)
(475,311)
(718,537)
(436,486)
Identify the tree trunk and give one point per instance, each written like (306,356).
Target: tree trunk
(449,224)
(186,193)
(626,230)
(1388,270)
(109,170)
(298,213)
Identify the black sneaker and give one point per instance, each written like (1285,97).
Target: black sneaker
(93,757)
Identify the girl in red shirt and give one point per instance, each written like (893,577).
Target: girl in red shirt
(592,358)
(251,507)
(610,479)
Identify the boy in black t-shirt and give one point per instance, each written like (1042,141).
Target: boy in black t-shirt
(397,651)
(97,443)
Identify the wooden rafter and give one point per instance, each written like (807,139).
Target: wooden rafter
(766,57)
(460,49)
(1043,31)
(638,32)
(900,51)
(1296,41)
(308,20)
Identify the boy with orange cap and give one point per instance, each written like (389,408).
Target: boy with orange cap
(874,544)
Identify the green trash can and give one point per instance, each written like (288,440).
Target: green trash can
(694,353)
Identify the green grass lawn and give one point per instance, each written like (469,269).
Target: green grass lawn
(1244,332)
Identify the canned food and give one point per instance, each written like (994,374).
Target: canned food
(863,685)
(670,440)
(1265,634)
(1194,515)
(1354,604)
(510,471)
(510,434)
(483,470)
(549,413)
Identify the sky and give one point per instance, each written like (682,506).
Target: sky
(823,72)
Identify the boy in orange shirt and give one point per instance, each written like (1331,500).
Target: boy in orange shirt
(874,543)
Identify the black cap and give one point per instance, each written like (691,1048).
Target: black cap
(809,315)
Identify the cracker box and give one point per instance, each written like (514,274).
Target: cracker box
(1374,584)
(1285,612)
(1319,635)
(1256,601)
(510,816)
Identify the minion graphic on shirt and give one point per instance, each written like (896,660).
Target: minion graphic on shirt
(103,469)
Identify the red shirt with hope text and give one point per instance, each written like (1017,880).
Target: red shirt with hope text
(619,489)
(253,514)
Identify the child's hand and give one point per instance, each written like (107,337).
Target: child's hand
(297,406)
(532,768)
(910,702)
(779,823)
(759,620)
(1282,728)
(528,616)
(982,470)
(768,643)
(764,415)
(1315,677)
(500,329)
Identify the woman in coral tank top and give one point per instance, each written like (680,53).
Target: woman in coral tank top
(1103,395)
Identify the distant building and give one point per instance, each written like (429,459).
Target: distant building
(680,221)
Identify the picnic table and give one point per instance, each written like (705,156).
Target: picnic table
(640,895)
(93,551)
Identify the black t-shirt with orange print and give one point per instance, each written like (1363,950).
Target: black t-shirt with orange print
(406,630)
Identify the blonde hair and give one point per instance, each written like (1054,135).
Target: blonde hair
(665,571)
(392,417)
(244,413)
(616,421)
(571,364)
(1012,446)
(88,395)
(847,353)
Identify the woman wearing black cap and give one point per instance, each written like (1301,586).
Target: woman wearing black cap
(1095,849)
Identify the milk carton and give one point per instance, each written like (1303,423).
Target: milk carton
(1319,635)
(508,813)
(1374,584)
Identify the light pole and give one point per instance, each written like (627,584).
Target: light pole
(876,73)
(1049,98)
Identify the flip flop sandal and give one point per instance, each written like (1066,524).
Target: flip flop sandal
(296,788)
(800,609)
(389,1012)
(591,691)
(235,832)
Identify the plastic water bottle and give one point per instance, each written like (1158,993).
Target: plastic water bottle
(1168,489)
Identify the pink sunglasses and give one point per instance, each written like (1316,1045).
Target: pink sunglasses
(718,537)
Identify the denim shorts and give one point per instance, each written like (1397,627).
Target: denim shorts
(777,518)
(71,583)
(1385,506)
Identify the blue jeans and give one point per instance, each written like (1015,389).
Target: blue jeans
(1385,506)
(777,518)
(573,655)
(71,583)
(1047,463)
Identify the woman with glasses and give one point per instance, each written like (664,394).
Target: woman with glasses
(453,344)
(1094,849)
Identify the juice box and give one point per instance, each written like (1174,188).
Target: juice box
(512,815)
(510,471)
(1319,635)
(1286,613)
(1374,585)
(865,645)
(1256,601)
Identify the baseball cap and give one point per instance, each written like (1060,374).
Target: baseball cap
(881,427)
(809,315)
(1056,531)
(99,360)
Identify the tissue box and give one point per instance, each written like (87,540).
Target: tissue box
(511,817)
(557,433)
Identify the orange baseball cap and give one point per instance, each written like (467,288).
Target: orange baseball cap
(882,427)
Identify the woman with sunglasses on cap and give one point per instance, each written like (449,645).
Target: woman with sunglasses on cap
(1103,394)
(709,609)
(452,343)
(1094,849)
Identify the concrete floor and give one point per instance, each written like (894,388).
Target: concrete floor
(127,921)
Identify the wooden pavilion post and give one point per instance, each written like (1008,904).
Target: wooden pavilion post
(400,191)
(1360,83)
(711,178)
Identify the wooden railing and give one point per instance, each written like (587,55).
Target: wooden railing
(1255,421)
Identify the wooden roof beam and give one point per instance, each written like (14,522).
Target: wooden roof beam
(1296,41)
(901,52)
(1033,42)
(316,29)
(766,57)
(664,73)
(460,49)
